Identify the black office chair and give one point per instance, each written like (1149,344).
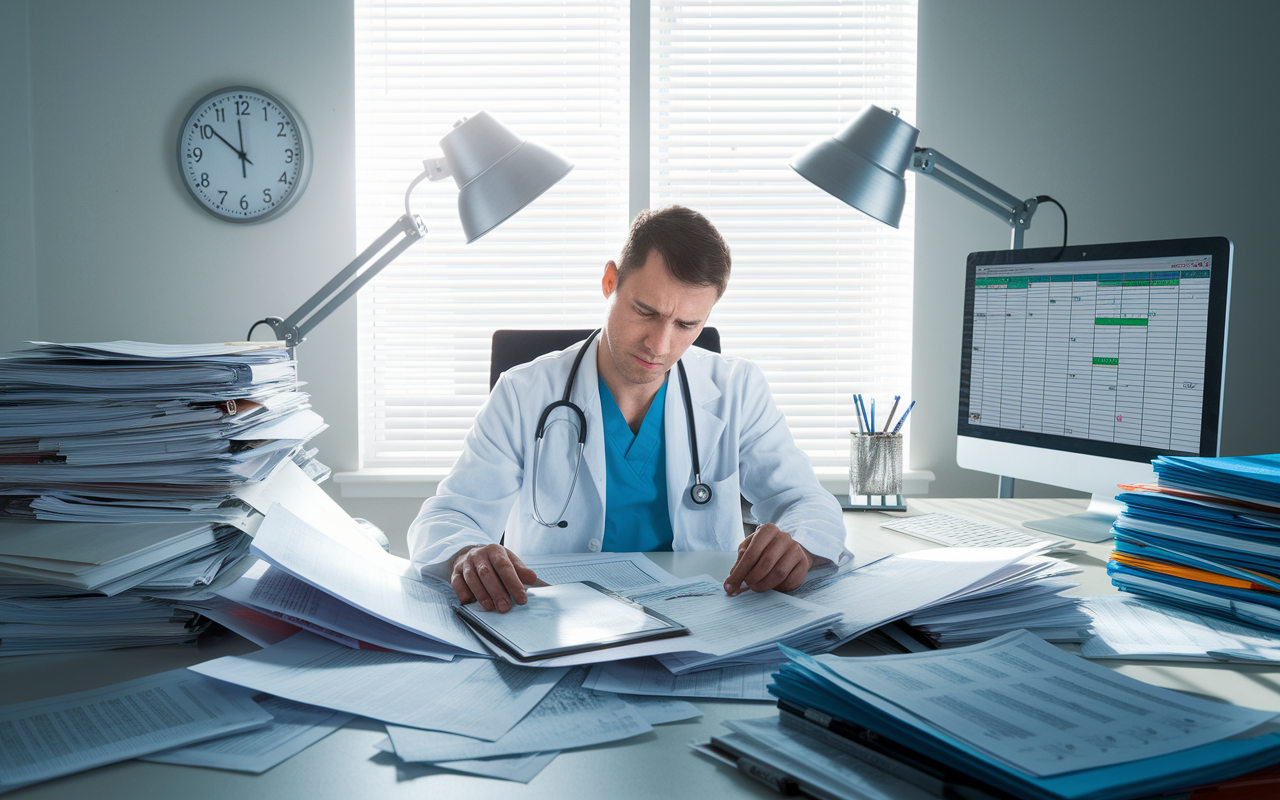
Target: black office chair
(512,348)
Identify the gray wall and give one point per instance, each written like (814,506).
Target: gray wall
(123,252)
(17,218)
(1147,119)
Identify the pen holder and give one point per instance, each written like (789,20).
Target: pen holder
(875,471)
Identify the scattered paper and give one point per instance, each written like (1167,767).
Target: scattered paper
(645,676)
(295,727)
(44,739)
(468,696)
(569,716)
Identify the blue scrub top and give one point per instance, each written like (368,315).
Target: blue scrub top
(635,465)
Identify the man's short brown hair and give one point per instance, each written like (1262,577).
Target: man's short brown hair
(689,244)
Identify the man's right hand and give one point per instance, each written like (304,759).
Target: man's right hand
(492,575)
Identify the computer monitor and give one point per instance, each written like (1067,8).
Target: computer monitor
(1081,365)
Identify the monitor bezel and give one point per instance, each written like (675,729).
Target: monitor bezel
(1219,248)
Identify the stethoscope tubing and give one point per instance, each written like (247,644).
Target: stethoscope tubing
(700,492)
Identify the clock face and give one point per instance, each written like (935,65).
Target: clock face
(243,155)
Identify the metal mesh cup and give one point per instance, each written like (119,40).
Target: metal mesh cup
(875,464)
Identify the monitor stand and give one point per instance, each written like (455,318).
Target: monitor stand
(1093,525)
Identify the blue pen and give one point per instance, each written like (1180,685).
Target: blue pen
(898,427)
(873,415)
(862,409)
(858,414)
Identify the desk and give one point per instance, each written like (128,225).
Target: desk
(345,766)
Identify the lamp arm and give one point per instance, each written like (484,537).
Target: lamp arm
(1016,213)
(293,331)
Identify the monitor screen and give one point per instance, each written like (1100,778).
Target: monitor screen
(1113,350)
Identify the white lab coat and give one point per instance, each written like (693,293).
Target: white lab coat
(743,443)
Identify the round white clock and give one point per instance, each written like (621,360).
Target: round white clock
(243,155)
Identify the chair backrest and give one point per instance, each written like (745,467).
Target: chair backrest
(512,348)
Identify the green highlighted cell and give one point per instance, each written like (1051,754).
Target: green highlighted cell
(1128,321)
(1106,362)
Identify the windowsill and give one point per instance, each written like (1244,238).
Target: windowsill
(421,482)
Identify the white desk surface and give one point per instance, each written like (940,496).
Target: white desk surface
(659,764)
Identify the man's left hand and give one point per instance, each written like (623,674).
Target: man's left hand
(768,559)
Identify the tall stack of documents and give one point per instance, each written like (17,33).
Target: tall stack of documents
(127,478)
(1010,718)
(1206,538)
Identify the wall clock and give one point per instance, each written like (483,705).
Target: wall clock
(243,155)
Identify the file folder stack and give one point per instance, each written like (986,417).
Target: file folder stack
(122,466)
(1207,537)
(1011,718)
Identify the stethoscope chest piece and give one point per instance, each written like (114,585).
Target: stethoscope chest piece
(701,493)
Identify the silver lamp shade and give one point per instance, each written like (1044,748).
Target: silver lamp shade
(497,172)
(863,163)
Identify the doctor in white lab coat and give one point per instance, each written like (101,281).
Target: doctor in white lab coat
(744,446)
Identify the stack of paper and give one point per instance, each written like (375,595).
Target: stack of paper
(1035,600)
(1207,537)
(85,428)
(1017,717)
(956,594)
(131,476)
(1126,626)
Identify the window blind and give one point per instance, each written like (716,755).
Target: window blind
(820,295)
(556,72)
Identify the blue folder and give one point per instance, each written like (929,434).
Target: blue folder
(801,681)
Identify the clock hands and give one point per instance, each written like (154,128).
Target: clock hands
(243,158)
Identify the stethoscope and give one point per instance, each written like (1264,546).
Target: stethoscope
(700,493)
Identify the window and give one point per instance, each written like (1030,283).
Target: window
(820,295)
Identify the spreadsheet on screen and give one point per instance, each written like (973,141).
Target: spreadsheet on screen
(1110,351)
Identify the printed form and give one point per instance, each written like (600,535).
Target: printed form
(1038,709)
(44,739)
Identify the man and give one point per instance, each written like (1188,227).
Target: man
(632,484)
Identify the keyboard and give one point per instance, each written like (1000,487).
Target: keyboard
(953,531)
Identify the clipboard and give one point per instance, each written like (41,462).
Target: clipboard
(568,618)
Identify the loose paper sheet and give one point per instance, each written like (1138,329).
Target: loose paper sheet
(569,716)
(468,696)
(645,676)
(44,739)
(296,727)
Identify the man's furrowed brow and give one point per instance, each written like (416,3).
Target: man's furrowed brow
(648,309)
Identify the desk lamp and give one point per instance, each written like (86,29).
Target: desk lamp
(863,164)
(497,173)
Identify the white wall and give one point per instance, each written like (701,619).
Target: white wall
(1147,119)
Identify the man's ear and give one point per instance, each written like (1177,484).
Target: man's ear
(610,280)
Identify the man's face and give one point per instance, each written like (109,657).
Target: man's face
(652,320)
